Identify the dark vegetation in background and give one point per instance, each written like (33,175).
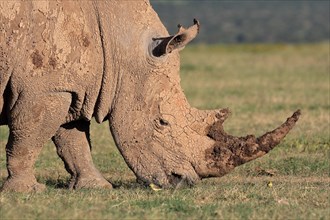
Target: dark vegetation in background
(245,21)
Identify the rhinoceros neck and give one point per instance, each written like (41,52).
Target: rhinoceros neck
(120,24)
(111,77)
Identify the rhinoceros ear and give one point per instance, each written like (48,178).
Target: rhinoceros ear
(166,45)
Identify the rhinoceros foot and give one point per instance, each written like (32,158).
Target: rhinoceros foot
(22,184)
(90,182)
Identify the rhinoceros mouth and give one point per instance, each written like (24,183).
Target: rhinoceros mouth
(177,180)
(174,179)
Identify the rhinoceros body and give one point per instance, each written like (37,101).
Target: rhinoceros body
(70,49)
(64,62)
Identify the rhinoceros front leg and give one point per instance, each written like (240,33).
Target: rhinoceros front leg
(73,146)
(32,121)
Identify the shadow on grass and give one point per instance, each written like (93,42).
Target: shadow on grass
(64,184)
(128,184)
(58,183)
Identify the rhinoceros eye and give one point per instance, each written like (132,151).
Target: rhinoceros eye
(163,122)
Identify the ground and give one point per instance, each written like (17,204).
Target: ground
(262,85)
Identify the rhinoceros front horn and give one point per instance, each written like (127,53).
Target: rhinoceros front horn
(229,152)
(165,45)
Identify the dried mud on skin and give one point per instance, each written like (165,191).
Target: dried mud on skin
(229,152)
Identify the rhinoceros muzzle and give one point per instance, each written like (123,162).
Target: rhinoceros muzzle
(202,150)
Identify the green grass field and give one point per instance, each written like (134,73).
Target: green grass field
(262,85)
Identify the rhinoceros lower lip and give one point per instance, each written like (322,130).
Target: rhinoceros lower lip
(177,180)
(173,180)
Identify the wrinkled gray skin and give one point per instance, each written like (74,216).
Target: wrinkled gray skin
(64,62)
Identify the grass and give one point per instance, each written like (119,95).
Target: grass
(262,85)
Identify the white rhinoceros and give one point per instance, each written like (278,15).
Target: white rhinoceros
(64,62)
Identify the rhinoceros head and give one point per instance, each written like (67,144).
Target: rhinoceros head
(162,138)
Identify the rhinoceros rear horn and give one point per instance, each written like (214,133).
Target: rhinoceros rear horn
(166,45)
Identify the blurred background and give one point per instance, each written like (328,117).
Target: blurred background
(247,21)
